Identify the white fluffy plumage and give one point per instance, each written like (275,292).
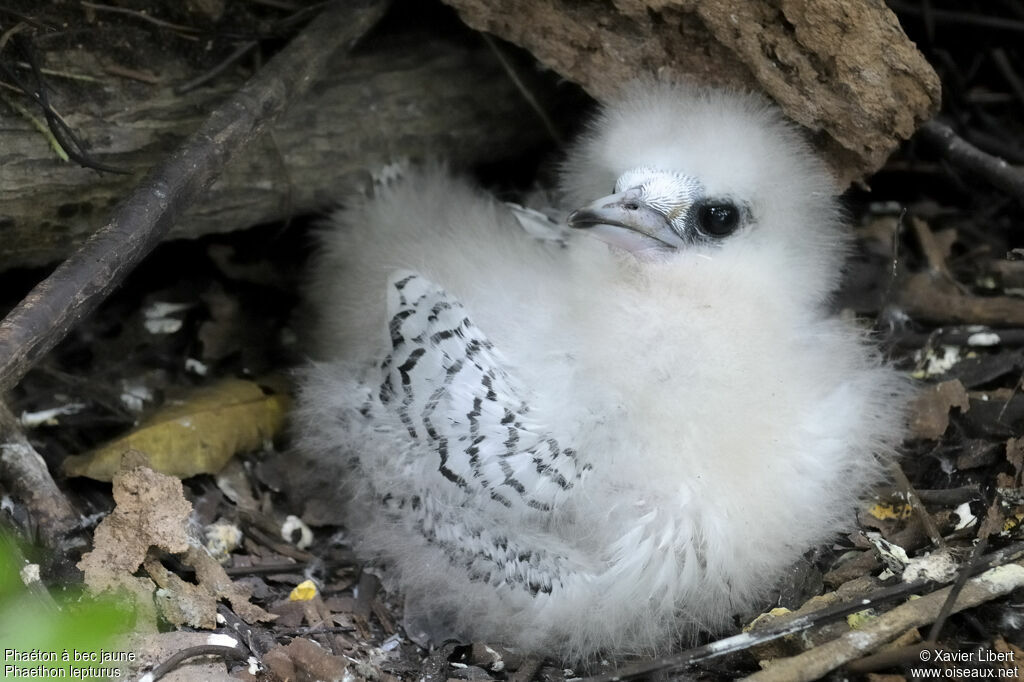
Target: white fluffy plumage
(577,448)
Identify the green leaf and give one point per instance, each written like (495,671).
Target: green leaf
(75,634)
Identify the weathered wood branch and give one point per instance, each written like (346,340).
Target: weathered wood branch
(973,161)
(25,475)
(142,219)
(1005,562)
(843,70)
(816,663)
(408,95)
(927,299)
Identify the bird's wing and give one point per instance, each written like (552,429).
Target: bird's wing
(540,225)
(451,389)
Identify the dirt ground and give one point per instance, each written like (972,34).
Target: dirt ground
(200,312)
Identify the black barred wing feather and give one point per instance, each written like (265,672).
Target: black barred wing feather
(449,386)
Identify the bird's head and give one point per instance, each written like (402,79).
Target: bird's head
(672,170)
(655,211)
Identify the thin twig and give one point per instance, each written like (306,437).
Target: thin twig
(277,4)
(267,568)
(1002,63)
(549,125)
(956,336)
(307,630)
(32,21)
(790,626)
(278,545)
(24,473)
(10,33)
(971,159)
(206,77)
(137,225)
(254,637)
(139,15)
(60,74)
(889,658)
(986,528)
(960,18)
(815,663)
(202,650)
(133,74)
(747,640)
(41,597)
(37,124)
(62,132)
(923,301)
(934,253)
(917,506)
(950,497)
(1013,394)
(994,139)
(954,592)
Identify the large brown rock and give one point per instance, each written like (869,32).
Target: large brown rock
(843,69)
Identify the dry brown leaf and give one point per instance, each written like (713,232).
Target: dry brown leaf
(151,511)
(182,603)
(1005,481)
(1014,656)
(197,436)
(929,413)
(1015,456)
(212,576)
(195,604)
(302,659)
(222,334)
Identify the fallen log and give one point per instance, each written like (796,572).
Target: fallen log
(406,96)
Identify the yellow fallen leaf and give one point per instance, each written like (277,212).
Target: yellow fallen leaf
(858,620)
(766,617)
(196,436)
(304,591)
(885,512)
(1012,522)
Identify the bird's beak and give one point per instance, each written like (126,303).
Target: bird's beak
(626,221)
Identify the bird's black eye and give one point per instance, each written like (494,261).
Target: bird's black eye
(718,219)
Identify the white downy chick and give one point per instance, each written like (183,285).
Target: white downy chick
(578,448)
